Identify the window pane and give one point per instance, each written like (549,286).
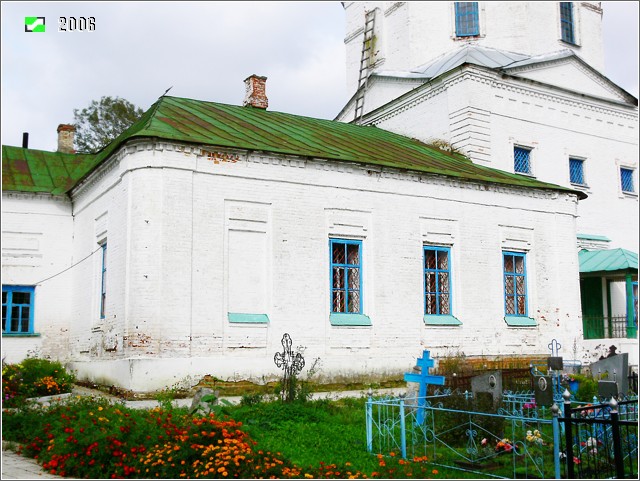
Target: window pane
(4,318)
(354,301)
(338,253)
(353,254)
(519,265)
(338,277)
(431,304)
(443,260)
(520,286)
(508,263)
(4,297)
(430,281)
(576,171)
(626,179)
(24,327)
(566,21)
(521,306)
(508,285)
(354,279)
(510,306)
(521,160)
(15,318)
(444,304)
(21,298)
(443,281)
(430,259)
(338,301)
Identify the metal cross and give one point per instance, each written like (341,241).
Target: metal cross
(291,363)
(424,379)
(554,346)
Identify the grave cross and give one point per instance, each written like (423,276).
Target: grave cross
(424,379)
(291,363)
(554,346)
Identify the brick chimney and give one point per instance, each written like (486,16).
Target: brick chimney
(65,138)
(256,92)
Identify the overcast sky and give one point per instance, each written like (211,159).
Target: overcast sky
(204,50)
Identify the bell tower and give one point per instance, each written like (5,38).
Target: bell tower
(410,34)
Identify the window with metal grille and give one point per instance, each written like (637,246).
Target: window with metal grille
(634,287)
(467,24)
(515,284)
(566,21)
(103,281)
(626,180)
(437,280)
(522,160)
(346,275)
(17,309)
(576,171)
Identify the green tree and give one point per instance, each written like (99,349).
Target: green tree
(103,121)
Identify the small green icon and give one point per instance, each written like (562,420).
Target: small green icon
(34,24)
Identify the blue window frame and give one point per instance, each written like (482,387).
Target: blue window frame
(515,283)
(103,281)
(634,289)
(437,280)
(626,180)
(467,24)
(17,309)
(566,22)
(346,275)
(576,171)
(522,160)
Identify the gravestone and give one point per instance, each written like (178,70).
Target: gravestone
(491,383)
(543,390)
(607,389)
(614,368)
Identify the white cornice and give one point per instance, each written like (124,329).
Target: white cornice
(487,77)
(15,194)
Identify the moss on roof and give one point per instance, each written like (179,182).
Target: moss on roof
(248,128)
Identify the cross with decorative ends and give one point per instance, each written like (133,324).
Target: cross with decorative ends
(291,363)
(424,379)
(554,346)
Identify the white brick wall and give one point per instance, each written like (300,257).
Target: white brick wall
(176,298)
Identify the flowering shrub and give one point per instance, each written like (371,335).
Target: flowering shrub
(32,378)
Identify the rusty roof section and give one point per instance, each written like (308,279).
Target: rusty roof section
(248,128)
(30,170)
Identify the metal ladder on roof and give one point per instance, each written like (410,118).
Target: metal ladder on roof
(365,63)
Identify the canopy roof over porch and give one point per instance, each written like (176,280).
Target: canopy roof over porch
(607,260)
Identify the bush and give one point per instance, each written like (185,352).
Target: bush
(34,377)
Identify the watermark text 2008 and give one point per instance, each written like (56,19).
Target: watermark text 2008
(76,24)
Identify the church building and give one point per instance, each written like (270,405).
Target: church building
(193,242)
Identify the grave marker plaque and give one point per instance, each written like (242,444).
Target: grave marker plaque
(555,363)
(543,390)
(614,368)
(607,389)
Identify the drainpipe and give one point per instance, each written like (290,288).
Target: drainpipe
(632,330)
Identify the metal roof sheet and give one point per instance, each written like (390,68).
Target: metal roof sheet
(248,128)
(607,260)
(30,170)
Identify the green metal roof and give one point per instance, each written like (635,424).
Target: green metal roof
(593,237)
(607,260)
(248,128)
(30,170)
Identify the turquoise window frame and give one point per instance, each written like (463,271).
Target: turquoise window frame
(8,306)
(515,276)
(438,273)
(103,281)
(467,19)
(337,291)
(634,290)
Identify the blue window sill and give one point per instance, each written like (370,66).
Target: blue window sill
(348,319)
(247,318)
(520,321)
(435,320)
(20,334)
